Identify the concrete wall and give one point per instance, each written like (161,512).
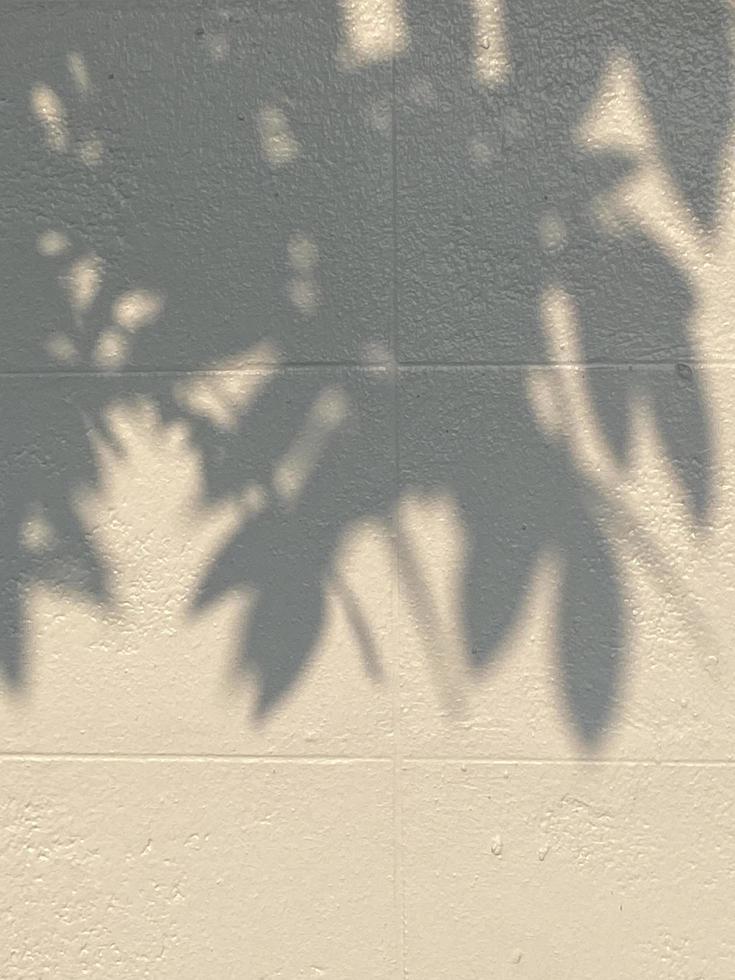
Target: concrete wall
(367,523)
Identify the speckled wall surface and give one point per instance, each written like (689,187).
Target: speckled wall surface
(367,445)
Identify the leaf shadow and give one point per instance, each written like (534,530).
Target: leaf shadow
(407,265)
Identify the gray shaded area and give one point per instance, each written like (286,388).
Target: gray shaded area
(419,254)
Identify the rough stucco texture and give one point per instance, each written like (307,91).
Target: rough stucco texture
(367,427)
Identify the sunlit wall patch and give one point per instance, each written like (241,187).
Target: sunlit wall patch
(374,30)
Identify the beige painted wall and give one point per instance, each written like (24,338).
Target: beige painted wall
(366,489)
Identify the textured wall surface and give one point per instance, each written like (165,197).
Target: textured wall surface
(367,447)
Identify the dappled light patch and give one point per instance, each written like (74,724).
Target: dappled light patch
(429,274)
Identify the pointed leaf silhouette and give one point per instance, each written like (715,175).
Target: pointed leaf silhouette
(591,628)
(504,550)
(684,60)
(282,632)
